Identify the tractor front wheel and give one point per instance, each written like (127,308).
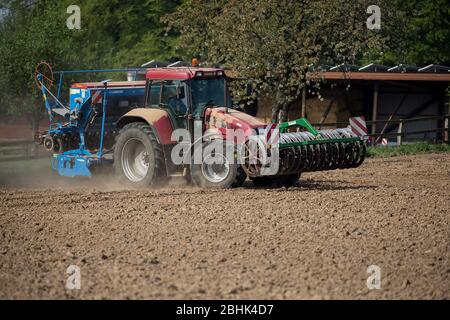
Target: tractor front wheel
(217,169)
(138,157)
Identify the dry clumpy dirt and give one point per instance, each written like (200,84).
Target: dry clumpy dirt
(314,241)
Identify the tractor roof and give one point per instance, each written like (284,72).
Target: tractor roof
(116,84)
(181,73)
(169,73)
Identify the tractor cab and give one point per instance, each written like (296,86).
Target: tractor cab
(186,93)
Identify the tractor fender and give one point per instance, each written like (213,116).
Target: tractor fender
(158,119)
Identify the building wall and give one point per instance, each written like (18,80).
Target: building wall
(344,104)
(388,102)
(358,100)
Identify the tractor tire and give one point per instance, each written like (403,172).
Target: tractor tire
(217,176)
(287,181)
(138,157)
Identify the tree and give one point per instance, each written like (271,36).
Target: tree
(126,33)
(276,43)
(423,35)
(29,33)
(113,34)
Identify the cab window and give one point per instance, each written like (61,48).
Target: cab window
(169,91)
(153,95)
(173,97)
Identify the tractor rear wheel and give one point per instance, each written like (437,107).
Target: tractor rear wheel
(138,157)
(289,180)
(222,173)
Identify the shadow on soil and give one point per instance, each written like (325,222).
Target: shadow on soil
(318,185)
(37,173)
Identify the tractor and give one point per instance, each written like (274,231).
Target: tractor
(132,126)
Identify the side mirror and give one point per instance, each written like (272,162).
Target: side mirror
(180,92)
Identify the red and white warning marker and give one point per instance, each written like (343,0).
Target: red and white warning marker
(97,97)
(358,126)
(270,135)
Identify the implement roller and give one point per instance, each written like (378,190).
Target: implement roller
(313,150)
(304,150)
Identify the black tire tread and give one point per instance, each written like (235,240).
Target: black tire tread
(199,181)
(160,169)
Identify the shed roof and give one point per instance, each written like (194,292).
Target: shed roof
(377,72)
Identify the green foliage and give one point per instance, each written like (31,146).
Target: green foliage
(113,34)
(125,33)
(422,34)
(273,42)
(29,33)
(407,149)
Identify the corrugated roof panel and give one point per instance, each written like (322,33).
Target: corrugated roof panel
(345,67)
(434,68)
(155,64)
(387,76)
(403,68)
(179,64)
(373,67)
(325,67)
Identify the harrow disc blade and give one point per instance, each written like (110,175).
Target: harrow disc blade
(330,150)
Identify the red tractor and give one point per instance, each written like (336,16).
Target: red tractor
(193,99)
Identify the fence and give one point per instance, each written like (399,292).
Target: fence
(401,133)
(11,150)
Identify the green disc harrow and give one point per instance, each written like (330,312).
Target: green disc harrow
(318,150)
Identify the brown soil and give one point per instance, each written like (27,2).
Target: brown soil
(312,241)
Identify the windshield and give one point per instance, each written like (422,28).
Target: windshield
(208,92)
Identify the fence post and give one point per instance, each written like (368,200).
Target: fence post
(303,110)
(400,133)
(375,109)
(446,129)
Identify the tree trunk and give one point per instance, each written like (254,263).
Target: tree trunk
(34,130)
(279,113)
(275,111)
(277,107)
(283,114)
(34,125)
